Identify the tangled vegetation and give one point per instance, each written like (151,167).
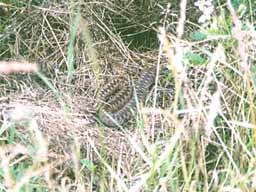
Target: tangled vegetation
(196,129)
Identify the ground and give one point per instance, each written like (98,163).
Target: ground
(194,130)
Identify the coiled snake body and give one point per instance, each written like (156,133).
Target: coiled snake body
(120,99)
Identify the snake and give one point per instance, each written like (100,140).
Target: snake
(120,99)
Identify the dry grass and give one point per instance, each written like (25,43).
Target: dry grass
(187,136)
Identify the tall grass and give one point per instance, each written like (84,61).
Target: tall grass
(193,138)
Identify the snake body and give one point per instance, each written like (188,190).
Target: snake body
(121,98)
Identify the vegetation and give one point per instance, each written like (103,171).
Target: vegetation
(196,130)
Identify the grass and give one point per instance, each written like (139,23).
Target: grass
(194,132)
